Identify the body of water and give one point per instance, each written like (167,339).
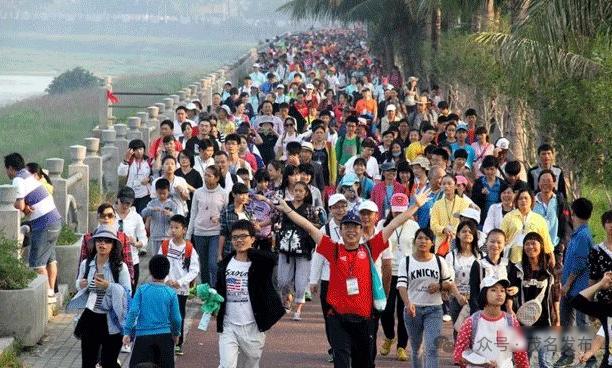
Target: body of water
(14,88)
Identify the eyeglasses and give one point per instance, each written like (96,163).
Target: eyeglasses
(107,215)
(242,237)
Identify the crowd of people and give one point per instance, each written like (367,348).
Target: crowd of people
(322,174)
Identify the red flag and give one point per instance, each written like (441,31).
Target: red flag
(112,99)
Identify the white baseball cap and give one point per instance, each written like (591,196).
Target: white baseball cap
(391,107)
(335,198)
(492,280)
(470,213)
(309,86)
(368,205)
(502,143)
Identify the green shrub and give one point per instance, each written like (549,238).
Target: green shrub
(71,80)
(14,274)
(67,236)
(9,359)
(95,195)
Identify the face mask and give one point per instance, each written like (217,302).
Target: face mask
(396,154)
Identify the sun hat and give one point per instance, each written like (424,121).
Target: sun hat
(349,179)
(421,161)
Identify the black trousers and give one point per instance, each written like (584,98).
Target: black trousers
(182,299)
(157,349)
(325,307)
(136,277)
(395,306)
(95,336)
(351,339)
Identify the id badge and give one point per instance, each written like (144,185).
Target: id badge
(352,286)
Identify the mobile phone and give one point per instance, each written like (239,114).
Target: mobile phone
(276,199)
(100,275)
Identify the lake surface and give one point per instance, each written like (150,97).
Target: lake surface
(14,88)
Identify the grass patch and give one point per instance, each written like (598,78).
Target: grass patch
(14,274)
(10,358)
(597,195)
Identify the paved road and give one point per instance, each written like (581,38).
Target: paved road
(289,344)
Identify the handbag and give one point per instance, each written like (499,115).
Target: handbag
(530,311)
(378,292)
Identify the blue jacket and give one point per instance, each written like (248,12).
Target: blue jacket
(577,259)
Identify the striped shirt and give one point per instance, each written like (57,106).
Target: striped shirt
(36,196)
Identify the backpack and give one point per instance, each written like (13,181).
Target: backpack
(439,268)
(476,318)
(188,250)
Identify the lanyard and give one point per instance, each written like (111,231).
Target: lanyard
(452,209)
(351,265)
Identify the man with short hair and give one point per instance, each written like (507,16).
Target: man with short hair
(204,159)
(462,132)
(368,147)
(166,128)
(228,179)
(348,145)
(546,156)
(575,276)
(44,220)
(257,76)
(232,145)
(181,117)
(367,105)
(471,117)
(418,148)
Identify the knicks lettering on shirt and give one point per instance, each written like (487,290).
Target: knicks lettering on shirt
(424,272)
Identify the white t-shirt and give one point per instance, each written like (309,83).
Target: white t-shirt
(420,276)
(238,308)
(461,267)
(371,166)
(401,242)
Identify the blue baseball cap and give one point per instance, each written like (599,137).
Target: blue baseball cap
(349,179)
(462,126)
(351,218)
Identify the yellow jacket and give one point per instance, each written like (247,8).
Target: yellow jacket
(512,225)
(442,214)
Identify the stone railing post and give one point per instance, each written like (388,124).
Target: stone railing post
(168,104)
(110,160)
(153,122)
(163,114)
(194,90)
(94,161)
(207,93)
(121,141)
(144,127)
(134,131)
(9,215)
(80,188)
(182,96)
(60,187)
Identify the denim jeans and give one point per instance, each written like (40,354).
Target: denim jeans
(426,325)
(42,245)
(207,247)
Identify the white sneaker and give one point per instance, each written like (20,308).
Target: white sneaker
(51,298)
(126,349)
(446,318)
(296,316)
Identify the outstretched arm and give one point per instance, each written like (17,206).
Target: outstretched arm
(397,221)
(300,221)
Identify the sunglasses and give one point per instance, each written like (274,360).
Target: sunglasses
(107,215)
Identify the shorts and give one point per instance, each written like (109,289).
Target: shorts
(42,245)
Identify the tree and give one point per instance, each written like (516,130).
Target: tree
(71,80)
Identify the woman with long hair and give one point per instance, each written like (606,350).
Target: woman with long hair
(235,210)
(497,211)
(291,175)
(103,279)
(295,248)
(191,176)
(405,176)
(534,279)
(464,252)
(521,221)
(35,169)
(421,279)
